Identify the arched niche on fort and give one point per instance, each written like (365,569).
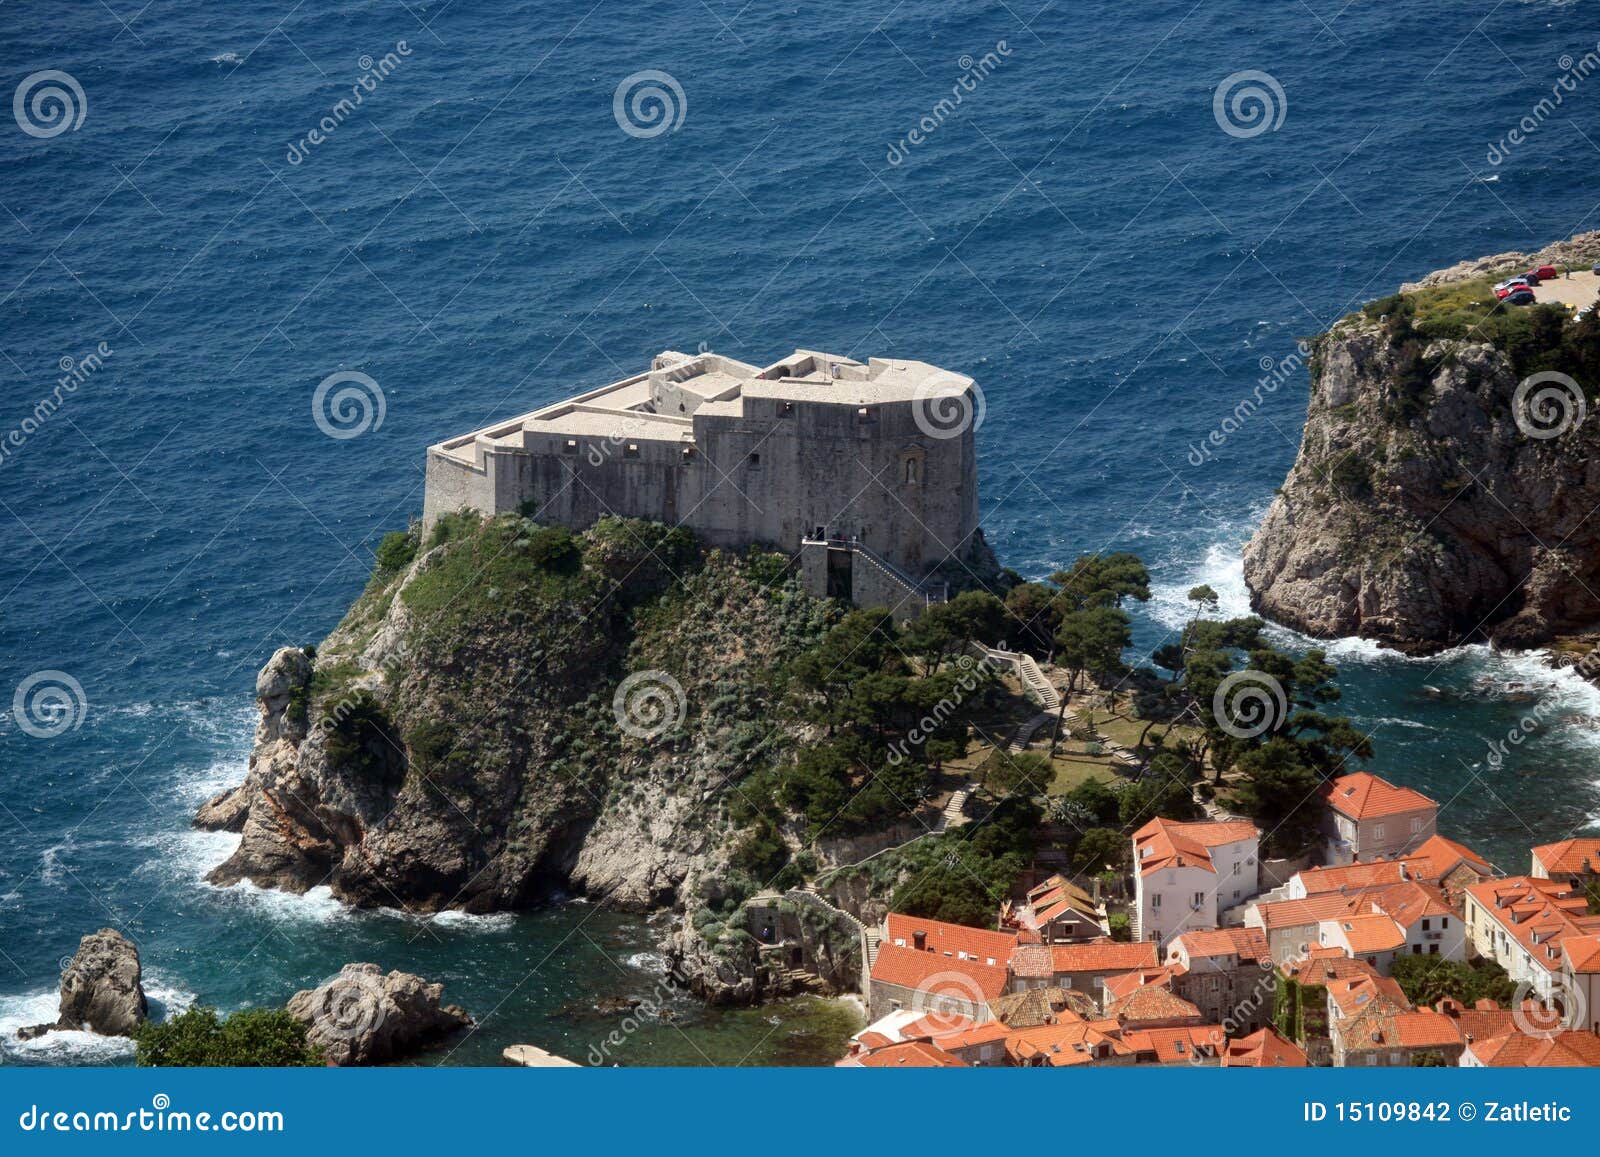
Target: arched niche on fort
(913,466)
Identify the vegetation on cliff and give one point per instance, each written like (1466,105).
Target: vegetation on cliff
(1446,473)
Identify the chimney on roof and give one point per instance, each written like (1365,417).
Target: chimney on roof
(919,941)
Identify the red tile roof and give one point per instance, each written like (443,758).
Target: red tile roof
(1151,1003)
(914,1054)
(1277,914)
(938,975)
(1265,1049)
(1245,943)
(1123,983)
(1357,994)
(953,940)
(1166,1046)
(1061,1045)
(1570,1049)
(1372,933)
(1164,843)
(1104,956)
(978,1034)
(1364,796)
(1541,915)
(1568,856)
(1436,857)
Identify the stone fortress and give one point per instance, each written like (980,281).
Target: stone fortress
(867,471)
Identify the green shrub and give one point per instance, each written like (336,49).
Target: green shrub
(396,550)
(254,1038)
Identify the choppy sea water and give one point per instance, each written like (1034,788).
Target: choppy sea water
(479,235)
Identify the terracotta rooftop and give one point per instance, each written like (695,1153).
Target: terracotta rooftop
(1036,1006)
(914,1054)
(1171,1046)
(1245,943)
(1264,1049)
(953,940)
(1543,916)
(1570,1049)
(1164,843)
(938,975)
(1364,796)
(1568,857)
(1104,956)
(1064,1045)
(1151,1003)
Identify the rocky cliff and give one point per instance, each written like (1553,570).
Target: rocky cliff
(510,713)
(1448,471)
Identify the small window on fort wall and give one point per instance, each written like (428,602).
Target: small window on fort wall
(864,412)
(786,408)
(754,459)
(631,450)
(571,446)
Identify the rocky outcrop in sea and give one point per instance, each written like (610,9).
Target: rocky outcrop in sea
(1437,499)
(364,1017)
(101,989)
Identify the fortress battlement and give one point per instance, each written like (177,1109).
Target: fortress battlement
(814,448)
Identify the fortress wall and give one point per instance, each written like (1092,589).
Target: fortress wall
(816,464)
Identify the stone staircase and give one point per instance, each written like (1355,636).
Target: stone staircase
(954,814)
(927,593)
(1044,693)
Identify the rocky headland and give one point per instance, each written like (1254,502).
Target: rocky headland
(512,714)
(1448,470)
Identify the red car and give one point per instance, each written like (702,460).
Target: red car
(1548,272)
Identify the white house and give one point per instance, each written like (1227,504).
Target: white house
(1185,873)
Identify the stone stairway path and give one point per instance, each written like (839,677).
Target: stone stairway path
(954,814)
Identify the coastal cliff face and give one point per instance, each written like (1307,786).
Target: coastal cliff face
(519,713)
(1436,500)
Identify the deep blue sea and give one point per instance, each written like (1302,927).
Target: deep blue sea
(480,235)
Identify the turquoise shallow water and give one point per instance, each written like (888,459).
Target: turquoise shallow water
(480,237)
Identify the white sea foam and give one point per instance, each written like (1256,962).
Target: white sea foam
(1570,700)
(459,921)
(79,1048)
(651,962)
